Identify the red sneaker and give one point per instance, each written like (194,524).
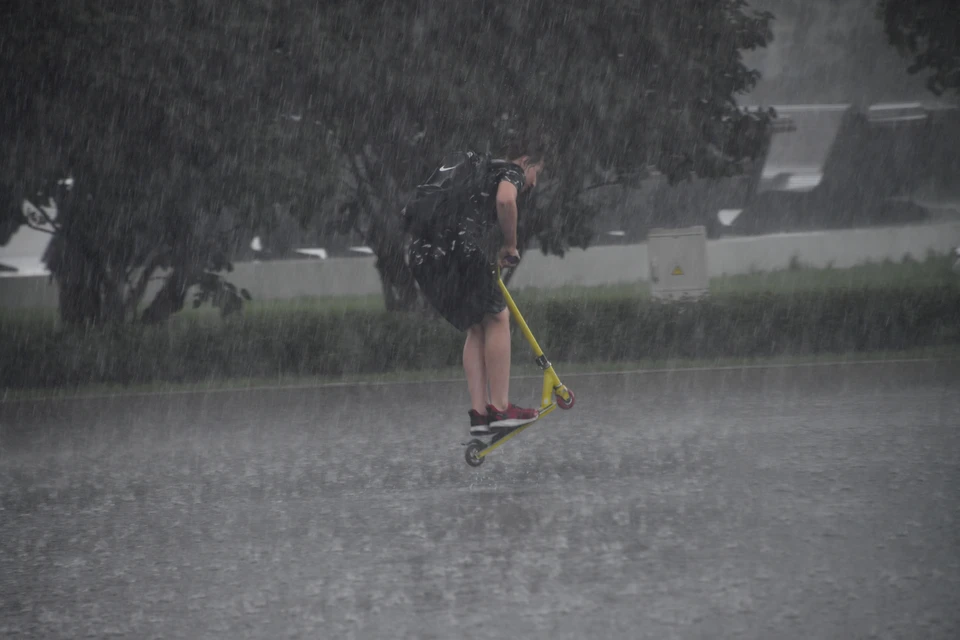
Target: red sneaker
(514,416)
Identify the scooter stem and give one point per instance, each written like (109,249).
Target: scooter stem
(515,312)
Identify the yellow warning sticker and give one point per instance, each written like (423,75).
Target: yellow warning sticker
(677,271)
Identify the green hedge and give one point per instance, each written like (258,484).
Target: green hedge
(302,342)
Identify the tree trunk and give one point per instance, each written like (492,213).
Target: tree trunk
(400,291)
(387,240)
(170,299)
(79,305)
(81,284)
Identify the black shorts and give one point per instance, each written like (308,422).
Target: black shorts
(461,284)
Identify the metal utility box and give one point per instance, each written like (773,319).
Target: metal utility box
(678,263)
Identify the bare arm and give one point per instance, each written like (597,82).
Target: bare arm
(507,213)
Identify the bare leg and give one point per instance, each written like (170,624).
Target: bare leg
(473,366)
(496,332)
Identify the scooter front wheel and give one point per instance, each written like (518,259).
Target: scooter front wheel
(565,404)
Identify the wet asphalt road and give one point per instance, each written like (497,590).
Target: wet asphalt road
(819,502)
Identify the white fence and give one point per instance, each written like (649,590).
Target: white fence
(591,267)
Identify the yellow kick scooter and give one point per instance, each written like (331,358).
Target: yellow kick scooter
(555,393)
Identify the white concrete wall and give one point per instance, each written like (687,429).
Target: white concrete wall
(732,256)
(591,267)
(841,249)
(287,279)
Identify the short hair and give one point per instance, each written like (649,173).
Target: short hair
(533,143)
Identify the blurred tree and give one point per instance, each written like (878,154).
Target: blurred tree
(622,86)
(928,30)
(10,216)
(829,52)
(168,116)
(183,123)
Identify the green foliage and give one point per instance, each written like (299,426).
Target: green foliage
(929,31)
(620,87)
(303,342)
(170,119)
(182,124)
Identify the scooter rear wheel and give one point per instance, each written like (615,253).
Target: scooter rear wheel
(470,455)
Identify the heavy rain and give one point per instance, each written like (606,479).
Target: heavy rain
(421,319)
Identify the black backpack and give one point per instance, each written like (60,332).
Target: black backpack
(440,199)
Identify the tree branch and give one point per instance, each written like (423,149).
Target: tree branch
(32,212)
(36,228)
(137,291)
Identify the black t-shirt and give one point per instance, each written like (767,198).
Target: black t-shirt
(470,233)
(480,217)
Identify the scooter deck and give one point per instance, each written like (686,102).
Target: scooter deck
(499,439)
(477,449)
